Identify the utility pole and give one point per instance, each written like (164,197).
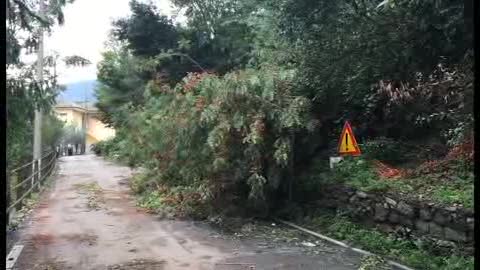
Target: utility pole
(37,128)
(85,122)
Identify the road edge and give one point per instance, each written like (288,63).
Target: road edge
(339,243)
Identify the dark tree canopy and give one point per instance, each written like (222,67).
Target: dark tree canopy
(146,31)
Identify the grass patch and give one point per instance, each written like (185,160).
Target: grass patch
(411,253)
(360,174)
(450,195)
(451,187)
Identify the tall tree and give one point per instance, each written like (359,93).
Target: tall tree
(24,91)
(147,32)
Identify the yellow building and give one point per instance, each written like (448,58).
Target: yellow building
(87,117)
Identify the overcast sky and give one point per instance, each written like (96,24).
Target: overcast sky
(86,28)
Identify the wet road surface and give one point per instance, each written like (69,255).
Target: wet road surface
(88,220)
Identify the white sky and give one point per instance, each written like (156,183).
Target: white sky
(86,28)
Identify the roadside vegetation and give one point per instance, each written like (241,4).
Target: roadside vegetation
(449,184)
(419,254)
(236,112)
(25,92)
(28,206)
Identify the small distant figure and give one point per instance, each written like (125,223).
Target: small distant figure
(70,149)
(58,151)
(76,149)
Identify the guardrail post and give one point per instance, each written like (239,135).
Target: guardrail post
(13,196)
(34,164)
(8,198)
(39,170)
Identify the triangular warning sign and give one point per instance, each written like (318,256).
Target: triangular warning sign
(348,144)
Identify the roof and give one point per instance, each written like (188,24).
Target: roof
(84,106)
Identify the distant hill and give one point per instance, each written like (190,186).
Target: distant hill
(76,92)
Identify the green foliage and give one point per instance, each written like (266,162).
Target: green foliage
(312,181)
(147,32)
(152,200)
(24,95)
(73,135)
(344,47)
(360,174)
(440,187)
(403,153)
(278,79)
(22,16)
(220,32)
(139,182)
(404,251)
(438,105)
(52,131)
(107,147)
(197,134)
(122,81)
(387,150)
(177,201)
(449,195)
(24,91)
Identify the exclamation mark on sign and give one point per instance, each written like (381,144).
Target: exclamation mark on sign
(346,142)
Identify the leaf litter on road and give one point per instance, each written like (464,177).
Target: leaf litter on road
(94,194)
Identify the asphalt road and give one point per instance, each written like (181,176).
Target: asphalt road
(88,220)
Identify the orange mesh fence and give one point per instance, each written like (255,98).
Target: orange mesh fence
(386,171)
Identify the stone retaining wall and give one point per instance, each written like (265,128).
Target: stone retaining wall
(453,224)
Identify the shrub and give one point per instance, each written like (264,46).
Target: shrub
(386,149)
(224,133)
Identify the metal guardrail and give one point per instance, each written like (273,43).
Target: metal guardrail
(27,178)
